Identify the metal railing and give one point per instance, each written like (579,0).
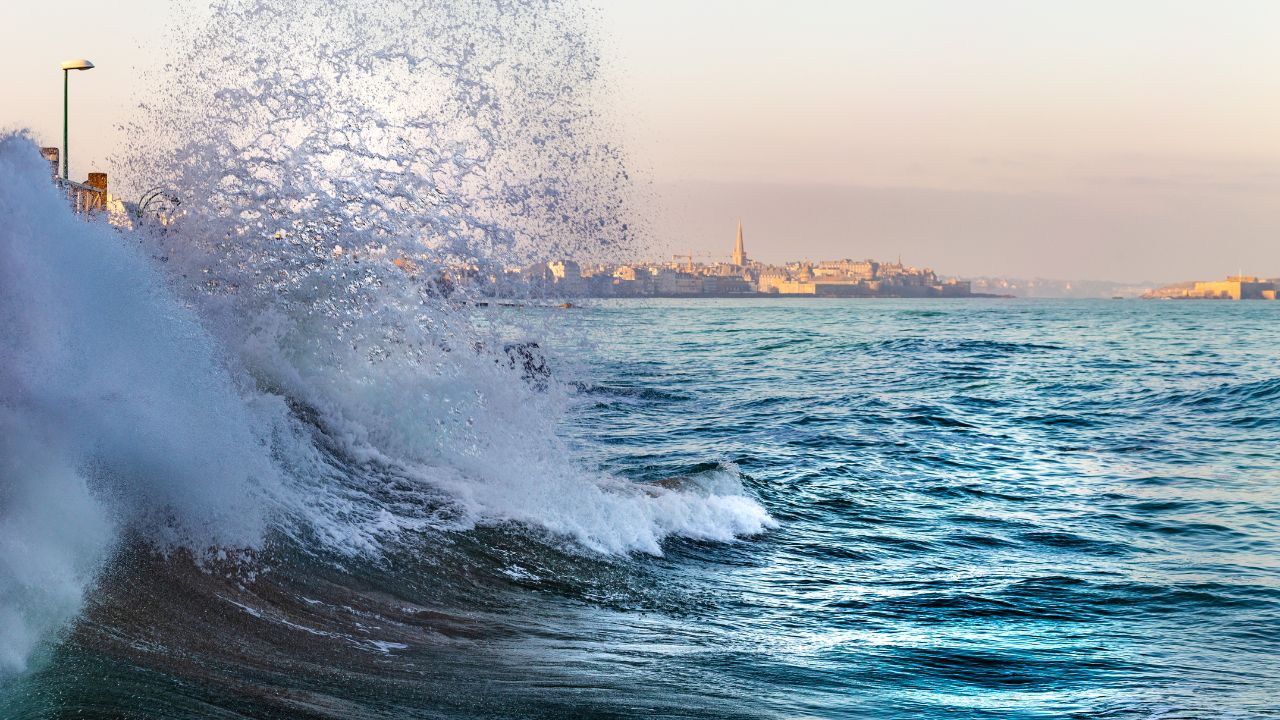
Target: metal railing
(84,198)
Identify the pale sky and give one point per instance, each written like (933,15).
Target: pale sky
(1078,139)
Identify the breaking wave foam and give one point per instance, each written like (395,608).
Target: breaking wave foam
(121,411)
(294,352)
(115,411)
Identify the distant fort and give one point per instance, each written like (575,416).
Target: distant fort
(1235,287)
(742,277)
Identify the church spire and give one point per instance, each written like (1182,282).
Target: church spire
(739,252)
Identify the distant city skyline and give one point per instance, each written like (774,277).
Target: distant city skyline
(1076,140)
(1071,237)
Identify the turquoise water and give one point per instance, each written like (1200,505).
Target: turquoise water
(979,509)
(987,508)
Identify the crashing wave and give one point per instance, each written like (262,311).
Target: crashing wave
(262,367)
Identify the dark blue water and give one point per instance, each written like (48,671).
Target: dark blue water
(987,508)
(984,509)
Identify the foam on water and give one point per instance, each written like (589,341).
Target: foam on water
(115,408)
(261,365)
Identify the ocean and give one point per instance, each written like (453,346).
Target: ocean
(986,508)
(273,450)
(778,508)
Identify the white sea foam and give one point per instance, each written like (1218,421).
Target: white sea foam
(234,375)
(118,410)
(114,410)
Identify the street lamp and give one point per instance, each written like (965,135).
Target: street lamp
(67,67)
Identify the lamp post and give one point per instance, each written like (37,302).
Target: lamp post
(67,67)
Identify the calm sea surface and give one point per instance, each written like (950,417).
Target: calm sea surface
(987,508)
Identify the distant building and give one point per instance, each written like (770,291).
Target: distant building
(565,270)
(770,280)
(725,285)
(1239,287)
(741,276)
(852,269)
(794,287)
(567,276)
(675,282)
(739,251)
(1235,287)
(954,288)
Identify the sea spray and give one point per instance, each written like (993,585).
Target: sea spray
(347,194)
(115,410)
(449,133)
(298,354)
(53,535)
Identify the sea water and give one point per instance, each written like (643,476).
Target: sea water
(986,508)
(975,508)
(273,459)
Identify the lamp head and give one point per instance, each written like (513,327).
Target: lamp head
(78,64)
